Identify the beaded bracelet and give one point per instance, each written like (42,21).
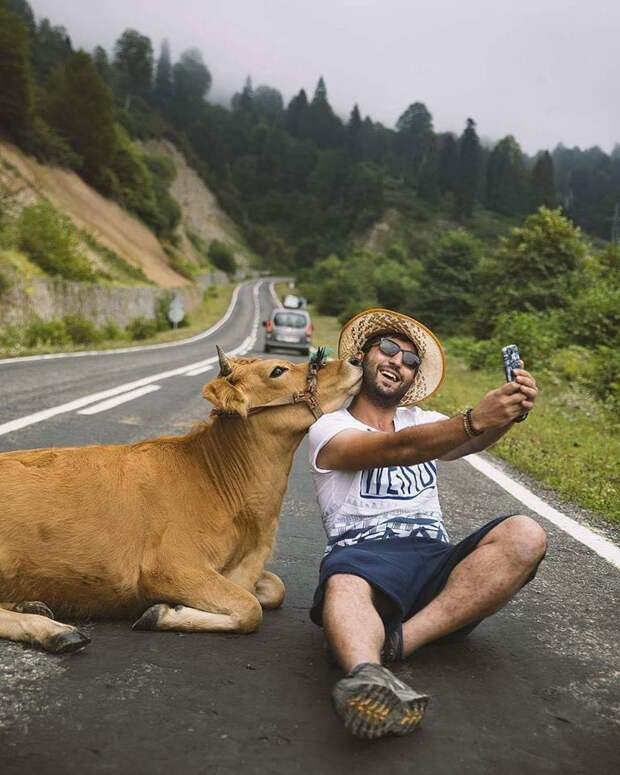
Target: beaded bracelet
(468,424)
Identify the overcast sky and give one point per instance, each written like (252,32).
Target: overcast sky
(544,70)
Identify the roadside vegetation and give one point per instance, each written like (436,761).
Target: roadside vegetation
(74,332)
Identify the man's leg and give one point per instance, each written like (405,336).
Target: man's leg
(480,584)
(351,622)
(369,699)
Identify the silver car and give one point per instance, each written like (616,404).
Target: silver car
(288,329)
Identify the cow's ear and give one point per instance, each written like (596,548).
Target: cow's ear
(226,397)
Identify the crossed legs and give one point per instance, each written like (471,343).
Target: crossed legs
(478,586)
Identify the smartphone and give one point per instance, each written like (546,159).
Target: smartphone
(511,357)
(512,361)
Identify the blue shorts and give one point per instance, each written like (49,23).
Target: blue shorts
(409,571)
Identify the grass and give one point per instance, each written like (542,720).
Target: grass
(202,317)
(569,443)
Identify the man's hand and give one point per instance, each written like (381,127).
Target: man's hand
(501,407)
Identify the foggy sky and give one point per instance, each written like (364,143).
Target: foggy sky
(544,70)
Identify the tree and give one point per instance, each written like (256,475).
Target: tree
(268,103)
(447,295)
(324,127)
(52,47)
(415,140)
(22,9)
(79,107)
(297,115)
(102,63)
(542,184)
(16,94)
(243,101)
(468,175)
(191,77)
(507,186)
(133,60)
(354,134)
(163,76)
(448,162)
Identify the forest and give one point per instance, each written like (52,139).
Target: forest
(490,243)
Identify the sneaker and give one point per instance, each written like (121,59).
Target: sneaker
(372,702)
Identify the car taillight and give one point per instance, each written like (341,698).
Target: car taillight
(269,326)
(309,329)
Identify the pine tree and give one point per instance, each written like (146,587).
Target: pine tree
(468,175)
(542,184)
(414,140)
(163,76)
(16,93)
(51,47)
(507,185)
(297,115)
(79,107)
(354,134)
(133,60)
(320,93)
(448,163)
(102,63)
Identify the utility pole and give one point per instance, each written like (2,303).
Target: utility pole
(615,225)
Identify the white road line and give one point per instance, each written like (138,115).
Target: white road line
(137,348)
(103,406)
(584,535)
(79,403)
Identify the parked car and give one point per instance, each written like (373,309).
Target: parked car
(288,329)
(293,302)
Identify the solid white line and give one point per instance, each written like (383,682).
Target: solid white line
(79,403)
(137,348)
(103,406)
(584,535)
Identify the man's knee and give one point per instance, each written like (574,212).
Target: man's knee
(525,538)
(347,584)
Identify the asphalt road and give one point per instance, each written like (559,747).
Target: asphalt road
(533,690)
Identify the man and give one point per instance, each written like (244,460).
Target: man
(390,581)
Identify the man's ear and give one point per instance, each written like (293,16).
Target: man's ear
(226,397)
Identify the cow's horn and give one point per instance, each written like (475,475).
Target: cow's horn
(225,369)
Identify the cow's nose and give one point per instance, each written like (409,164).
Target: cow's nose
(355,361)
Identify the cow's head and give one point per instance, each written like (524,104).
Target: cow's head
(247,383)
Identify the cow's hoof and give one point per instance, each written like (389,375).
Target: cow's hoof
(149,619)
(34,607)
(66,642)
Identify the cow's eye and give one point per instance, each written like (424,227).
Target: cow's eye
(278,371)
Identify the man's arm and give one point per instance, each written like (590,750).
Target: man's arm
(358,450)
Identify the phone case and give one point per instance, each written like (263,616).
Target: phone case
(511,357)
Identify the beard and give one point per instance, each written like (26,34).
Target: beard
(377,394)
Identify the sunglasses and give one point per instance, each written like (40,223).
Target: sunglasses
(388,347)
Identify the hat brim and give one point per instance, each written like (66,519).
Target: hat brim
(360,328)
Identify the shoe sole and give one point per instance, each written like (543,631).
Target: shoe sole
(371,710)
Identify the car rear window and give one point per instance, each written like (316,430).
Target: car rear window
(289,319)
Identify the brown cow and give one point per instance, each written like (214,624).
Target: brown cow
(177,528)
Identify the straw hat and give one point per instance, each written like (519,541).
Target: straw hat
(357,331)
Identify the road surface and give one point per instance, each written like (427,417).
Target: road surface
(533,690)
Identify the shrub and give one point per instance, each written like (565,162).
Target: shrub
(5,283)
(222,257)
(142,328)
(604,376)
(47,145)
(51,332)
(110,331)
(51,241)
(537,334)
(81,330)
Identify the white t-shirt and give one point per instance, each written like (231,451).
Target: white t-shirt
(388,502)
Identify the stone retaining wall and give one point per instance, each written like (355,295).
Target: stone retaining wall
(49,298)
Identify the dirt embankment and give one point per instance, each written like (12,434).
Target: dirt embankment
(201,213)
(108,223)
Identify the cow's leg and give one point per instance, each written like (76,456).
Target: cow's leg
(29,607)
(270,590)
(216,604)
(40,631)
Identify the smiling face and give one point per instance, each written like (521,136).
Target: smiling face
(386,378)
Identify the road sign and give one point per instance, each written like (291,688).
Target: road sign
(176,313)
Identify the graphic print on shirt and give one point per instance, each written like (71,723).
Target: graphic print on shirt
(398,482)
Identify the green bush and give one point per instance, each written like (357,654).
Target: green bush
(5,283)
(537,334)
(222,257)
(81,330)
(110,331)
(51,241)
(604,376)
(142,328)
(47,145)
(47,332)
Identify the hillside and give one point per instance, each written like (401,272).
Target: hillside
(24,181)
